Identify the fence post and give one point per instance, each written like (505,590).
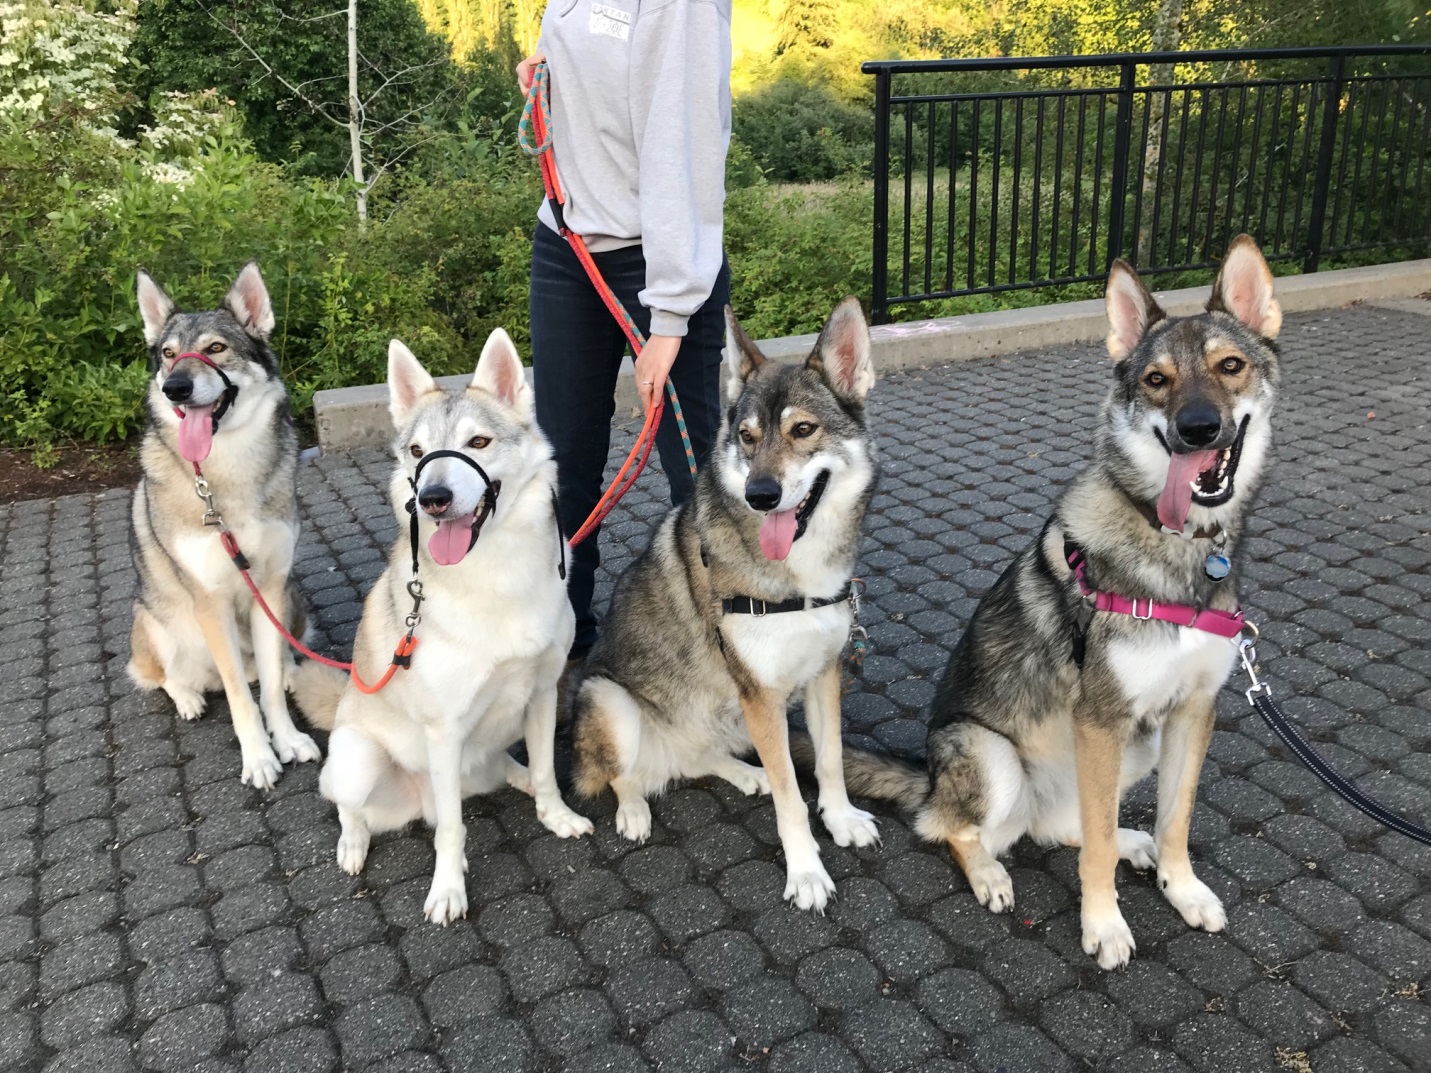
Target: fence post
(1122,138)
(879,300)
(1321,184)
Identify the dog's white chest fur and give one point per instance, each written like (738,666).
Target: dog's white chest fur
(1166,667)
(268,545)
(784,651)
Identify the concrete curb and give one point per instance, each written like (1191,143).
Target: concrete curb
(357,416)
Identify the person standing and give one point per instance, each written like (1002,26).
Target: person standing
(640,104)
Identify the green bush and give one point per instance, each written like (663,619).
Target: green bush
(72,356)
(801,133)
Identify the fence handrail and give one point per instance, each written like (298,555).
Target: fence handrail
(1117,59)
(1294,130)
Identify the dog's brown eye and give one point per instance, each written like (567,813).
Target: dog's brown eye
(479,442)
(216,348)
(803,429)
(168,353)
(415,451)
(1155,379)
(1233,366)
(745,436)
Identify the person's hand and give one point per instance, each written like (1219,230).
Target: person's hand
(653,366)
(525,68)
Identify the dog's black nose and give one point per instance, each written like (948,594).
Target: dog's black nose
(178,387)
(435,498)
(762,493)
(1198,424)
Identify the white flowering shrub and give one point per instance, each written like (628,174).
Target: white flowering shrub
(61,54)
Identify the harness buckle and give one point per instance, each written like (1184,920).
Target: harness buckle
(1142,618)
(763,610)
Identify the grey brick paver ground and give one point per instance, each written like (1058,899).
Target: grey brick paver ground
(155,914)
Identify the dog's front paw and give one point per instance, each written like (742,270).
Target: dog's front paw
(991,884)
(1106,937)
(1137,848)
(563,822)
(809,888)
(260,767)
(296,745)
(748,779)
(1194,899)
(189,703)
(851,826)
(633,819)
(352,851)
(446,902)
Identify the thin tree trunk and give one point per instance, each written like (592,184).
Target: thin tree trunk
(1167,36)
(355,119)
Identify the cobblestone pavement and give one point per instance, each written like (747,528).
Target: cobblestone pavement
(156,913)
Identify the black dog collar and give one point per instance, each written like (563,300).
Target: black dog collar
(752,605)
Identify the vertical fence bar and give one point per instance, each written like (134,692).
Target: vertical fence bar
(1317,216)
(1037,189)
(1057,188)
(994,192)
(953,196)
(879,284)
(1077,183)
(973,194)
(1017,183)
(1122,137)
(929,201)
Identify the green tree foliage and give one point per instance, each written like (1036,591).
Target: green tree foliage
(192,45)
(802,133)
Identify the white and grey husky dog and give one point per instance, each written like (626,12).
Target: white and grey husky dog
(1050,710)
(742,599)
(215,399)
(494,629)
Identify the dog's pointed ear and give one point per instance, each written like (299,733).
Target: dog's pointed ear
(248,301)
(1243,288)
(499,372)
(1131,310)
(408,382)
(842,353)
(742,357)
(155,308)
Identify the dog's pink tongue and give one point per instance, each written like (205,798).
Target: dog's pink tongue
(777,533)
(196,433)
(1177,497)
(452,541)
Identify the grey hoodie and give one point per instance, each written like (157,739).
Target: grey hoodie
(640,97)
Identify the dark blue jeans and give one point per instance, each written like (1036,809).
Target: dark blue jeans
(576,354)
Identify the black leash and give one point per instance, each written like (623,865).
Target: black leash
(1260,697)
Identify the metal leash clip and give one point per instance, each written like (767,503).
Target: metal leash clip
(211,512)
(859,637)
(414,589)
(1247,652)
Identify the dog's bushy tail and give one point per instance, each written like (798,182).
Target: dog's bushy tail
(317,689)
(885,778)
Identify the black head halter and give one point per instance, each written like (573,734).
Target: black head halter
(489,498)
(231,389)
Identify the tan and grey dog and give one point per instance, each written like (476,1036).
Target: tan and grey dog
(196,625)
(740,600)
(494,631)
(1022,741)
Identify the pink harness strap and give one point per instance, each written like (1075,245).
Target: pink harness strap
(1219,623)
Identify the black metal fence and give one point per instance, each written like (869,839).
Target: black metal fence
(1006,174)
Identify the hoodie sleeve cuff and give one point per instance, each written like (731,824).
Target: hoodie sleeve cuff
(664,323)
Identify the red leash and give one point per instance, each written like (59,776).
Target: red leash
(536,117)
